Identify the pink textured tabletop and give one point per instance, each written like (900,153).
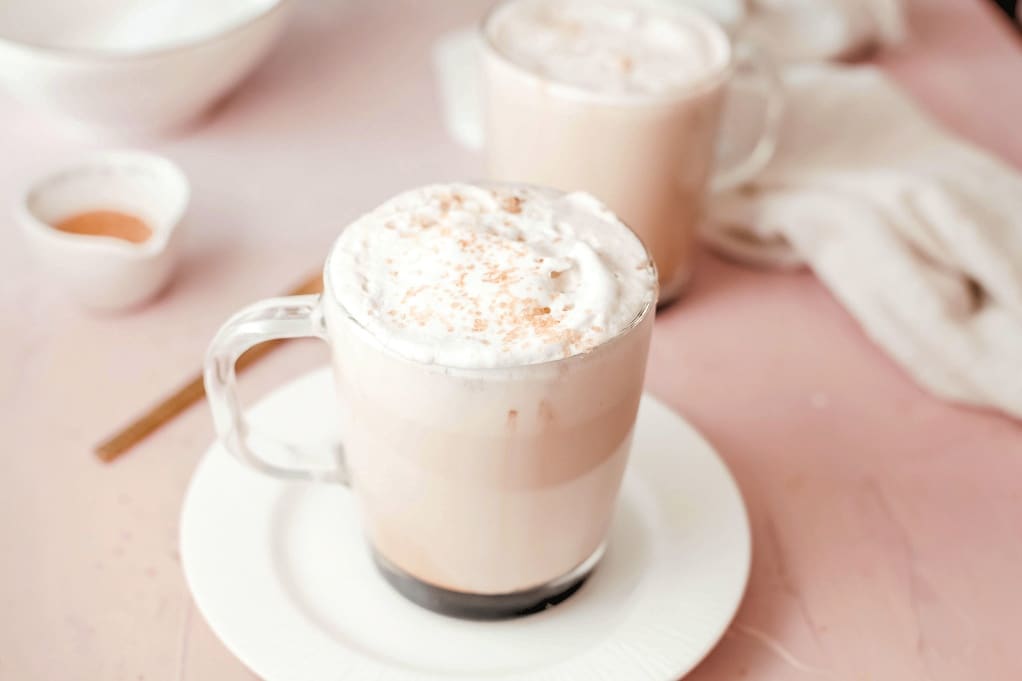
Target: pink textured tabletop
(887,524)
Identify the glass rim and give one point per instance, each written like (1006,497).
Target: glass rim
(649,306)
(581,93)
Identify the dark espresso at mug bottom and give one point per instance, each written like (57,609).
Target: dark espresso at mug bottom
(486,606)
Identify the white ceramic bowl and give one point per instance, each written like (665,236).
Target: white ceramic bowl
(132,66)
(107,273)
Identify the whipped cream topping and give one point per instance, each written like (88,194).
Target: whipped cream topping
(473,277)
(611,46)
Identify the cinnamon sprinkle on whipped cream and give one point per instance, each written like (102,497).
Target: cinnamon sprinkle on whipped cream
(474,277)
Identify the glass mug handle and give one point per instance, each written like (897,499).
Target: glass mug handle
(754,66)
(267,320)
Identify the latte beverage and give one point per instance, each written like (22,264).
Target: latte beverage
(618,98)
(489,373)
(489,345)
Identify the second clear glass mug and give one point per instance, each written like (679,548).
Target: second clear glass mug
(458,474)
(651,158)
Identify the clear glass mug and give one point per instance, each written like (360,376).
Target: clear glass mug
(484,493)
(651,158)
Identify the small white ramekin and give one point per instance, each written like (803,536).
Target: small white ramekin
(107,273)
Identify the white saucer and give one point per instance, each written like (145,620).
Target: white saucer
(282,574)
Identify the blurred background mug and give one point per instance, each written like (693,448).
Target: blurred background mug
(651,154)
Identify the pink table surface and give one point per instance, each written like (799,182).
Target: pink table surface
(887,525)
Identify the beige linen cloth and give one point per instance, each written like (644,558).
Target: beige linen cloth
(814,30)
(918,234)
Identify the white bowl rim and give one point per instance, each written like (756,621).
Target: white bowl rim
(100,55)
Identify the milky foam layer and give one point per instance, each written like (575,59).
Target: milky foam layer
(611,46)
(473,277)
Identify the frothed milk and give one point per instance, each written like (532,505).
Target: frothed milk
(472,277)
(612,47)
(490,346)
(619,98)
